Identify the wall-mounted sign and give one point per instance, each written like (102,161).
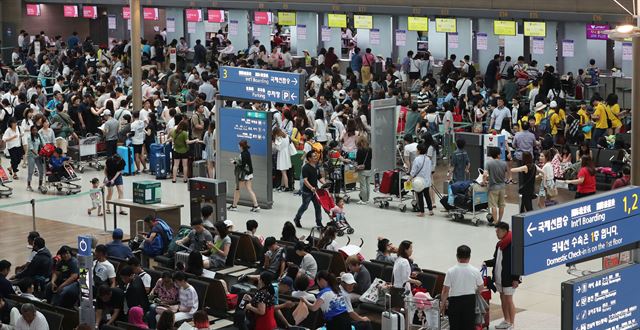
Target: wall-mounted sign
(215,16)
(446,25)
(286,18)
(596,31)
(418,23)
(262,18)
(193,15)
(90,12)
(337,20)
(535,29)
(363,21)
(504,28)
(33,9)
(150,14)
(70,11)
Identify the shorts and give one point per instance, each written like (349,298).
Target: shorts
(247,177)
(505,291)
(117,182)
(137,149)
(542,191)
(177,155)
(496,198)
(96,202)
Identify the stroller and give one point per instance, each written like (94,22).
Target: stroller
(62,180)
(339,222)
(5,191)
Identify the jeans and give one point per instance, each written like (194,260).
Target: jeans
(597,134)
(422,196)
(306,198)
(364,180)
(35,162)
(67,297)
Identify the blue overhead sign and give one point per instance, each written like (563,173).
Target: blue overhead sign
(575,231)
(605,300)
(261,85)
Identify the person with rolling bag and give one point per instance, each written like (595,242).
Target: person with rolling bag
(391,320)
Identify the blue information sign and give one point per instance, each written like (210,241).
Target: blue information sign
(605,300)
(261,85)
(575,231)
(84,246)
(241,124)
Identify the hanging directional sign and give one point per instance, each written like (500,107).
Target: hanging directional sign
(604,300)
(575,231)
(261,85)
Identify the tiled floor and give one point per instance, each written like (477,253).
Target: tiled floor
(435,238)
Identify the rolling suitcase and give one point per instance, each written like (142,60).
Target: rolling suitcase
(160,169)
(391,320)
(199,169)
(126,153)
(386,182)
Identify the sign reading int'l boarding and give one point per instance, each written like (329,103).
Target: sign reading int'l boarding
(261,85)
(575,231)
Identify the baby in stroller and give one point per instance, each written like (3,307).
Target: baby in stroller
(60,173)
(335,210)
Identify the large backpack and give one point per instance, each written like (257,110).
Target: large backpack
(545,124)
(183,232)
(160,243)
(574,127)
(471,71)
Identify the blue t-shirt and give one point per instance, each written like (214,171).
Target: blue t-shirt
(333,304)
(58,162)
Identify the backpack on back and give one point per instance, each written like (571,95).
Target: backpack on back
(160,243)
(545,124)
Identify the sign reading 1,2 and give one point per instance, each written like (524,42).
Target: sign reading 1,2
(630,203)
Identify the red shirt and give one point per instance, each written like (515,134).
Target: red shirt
(619,183)
(589,183)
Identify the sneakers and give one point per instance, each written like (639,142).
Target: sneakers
(29,188)
(503,325)
(232,208)
(255,209)
(361,203)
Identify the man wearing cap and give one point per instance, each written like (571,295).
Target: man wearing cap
(347,284)
(116,248)
(229,225)
(554,119)
(110,132)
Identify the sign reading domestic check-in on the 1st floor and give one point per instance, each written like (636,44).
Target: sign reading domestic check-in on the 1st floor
(575,231)
(261,85)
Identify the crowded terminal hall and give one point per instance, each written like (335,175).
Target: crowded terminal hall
(264,165)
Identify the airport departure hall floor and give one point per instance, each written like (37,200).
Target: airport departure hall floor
(435,238)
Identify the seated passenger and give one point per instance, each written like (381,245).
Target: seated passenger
(116,248)
(39,269)
(220,247)
(198,239)
(57,162)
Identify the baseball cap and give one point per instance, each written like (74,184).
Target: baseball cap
(117,233)
(347,278)
(342,94)
(228,223)
(106,113)
(288,281)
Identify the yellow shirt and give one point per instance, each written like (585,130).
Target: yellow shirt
(584,119)
(563,114)
(554,121)
(614,111)
(601,113)
(539,116)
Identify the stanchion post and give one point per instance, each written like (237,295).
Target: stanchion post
(104,209)
(33,213)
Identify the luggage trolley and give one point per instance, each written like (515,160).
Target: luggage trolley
(85,153)
(466,197)
(5,191)
(423,312)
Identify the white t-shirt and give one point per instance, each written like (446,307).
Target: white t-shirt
(321,130)
(401,272)
(8,134)
(137,127)
(104,270)
(38,323)
(463,85)
(411,150)
(304,294)
(498,115)
(462,279)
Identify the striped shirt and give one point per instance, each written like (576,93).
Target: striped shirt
(422,100)
(189,299)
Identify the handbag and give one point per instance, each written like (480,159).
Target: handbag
(372,295)
(551,190)
(300,313)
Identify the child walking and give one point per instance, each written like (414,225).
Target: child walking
(96,197)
